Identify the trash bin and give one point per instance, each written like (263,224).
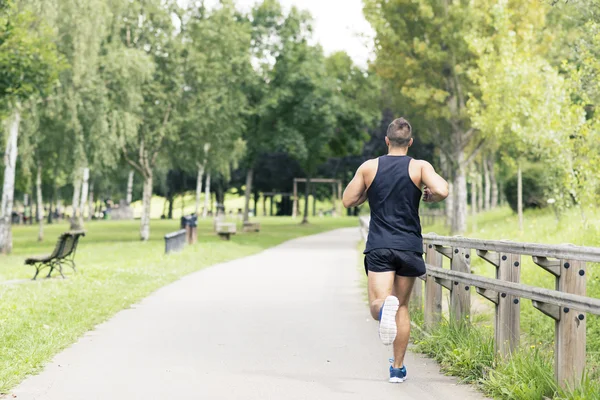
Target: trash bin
(190,224)
(185,221)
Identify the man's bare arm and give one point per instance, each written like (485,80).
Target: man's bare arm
(356,191)
(436,187)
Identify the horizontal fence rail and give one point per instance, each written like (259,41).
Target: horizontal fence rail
(567,304)
(175,241)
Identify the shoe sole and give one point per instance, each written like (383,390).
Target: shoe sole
(397,380)
(387,325)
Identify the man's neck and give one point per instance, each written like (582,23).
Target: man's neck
(397,151)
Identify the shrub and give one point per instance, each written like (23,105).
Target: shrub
(535,183)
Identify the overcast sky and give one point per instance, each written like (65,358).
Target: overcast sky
(338,25)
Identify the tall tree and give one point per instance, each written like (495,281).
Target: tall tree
(422,53)
(145,121)
(216,63)
(29,65)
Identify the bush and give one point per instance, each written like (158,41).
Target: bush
(535,183)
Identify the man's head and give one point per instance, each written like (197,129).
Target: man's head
(399,134)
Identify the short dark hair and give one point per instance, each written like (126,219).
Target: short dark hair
(399,132)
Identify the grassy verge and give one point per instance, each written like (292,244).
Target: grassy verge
(467,351)
(38,319)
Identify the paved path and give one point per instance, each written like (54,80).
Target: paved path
(288,323)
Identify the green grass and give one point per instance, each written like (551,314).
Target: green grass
(116,270)
(528,374)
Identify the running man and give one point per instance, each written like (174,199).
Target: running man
(394,251)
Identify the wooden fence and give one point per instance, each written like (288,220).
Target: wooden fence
(567,305)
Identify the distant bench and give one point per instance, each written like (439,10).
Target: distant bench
(64,253)
(251,227)
(225,229)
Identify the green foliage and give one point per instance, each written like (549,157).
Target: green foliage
(461,349)
(527,374)
(29,63)
(535,183)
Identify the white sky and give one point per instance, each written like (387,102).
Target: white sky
(338,25)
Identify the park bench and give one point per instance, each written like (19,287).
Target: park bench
(225,229)
(64,253)
(251,227)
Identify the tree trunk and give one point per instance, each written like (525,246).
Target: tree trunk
(76,192)
(8,188)
(459,220)
(40,203)
(130,187)
(249,176)
(170,200)
(480,199)
(264,206)
(199,187)
(449,203)
(85,187)
(146,203)
(493,184)
(487,183)
(473,195)
(306,193)
(206,196)
(183,203)
(314,203)
(256,197)
(520,196)
(91,203)
(271,206)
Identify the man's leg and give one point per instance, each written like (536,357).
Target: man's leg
(380,286)
(402,289)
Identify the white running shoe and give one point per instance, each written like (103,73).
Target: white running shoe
(387,320)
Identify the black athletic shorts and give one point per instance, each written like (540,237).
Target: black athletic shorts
(404,263)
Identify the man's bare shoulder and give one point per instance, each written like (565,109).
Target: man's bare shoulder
(369,165)
(421,163)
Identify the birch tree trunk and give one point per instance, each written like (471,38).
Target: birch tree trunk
(459,219)
(146,206)
(8,188)
(199,187)
(306,194)
(449,204)
(493,183)
(248,192)
(91,203)
(480,205)
(76,194)
(85,187)
(40,203)
(206,196)
(520,196)
(473,195)
(130,187)
(487,183)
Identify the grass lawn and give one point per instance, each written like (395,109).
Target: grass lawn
(38,319)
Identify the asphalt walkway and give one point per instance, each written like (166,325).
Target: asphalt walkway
(288,323)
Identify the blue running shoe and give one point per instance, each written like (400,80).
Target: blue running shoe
(387,320)
(397,375)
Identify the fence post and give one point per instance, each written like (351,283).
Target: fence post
(433,291)
(508,309)
(460,294)
(570,340)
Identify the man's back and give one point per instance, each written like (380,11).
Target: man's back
(394,197)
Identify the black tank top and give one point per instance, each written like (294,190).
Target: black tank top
(394,200)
